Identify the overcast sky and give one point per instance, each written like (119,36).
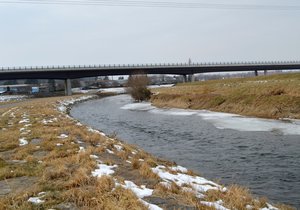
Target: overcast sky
(66,34)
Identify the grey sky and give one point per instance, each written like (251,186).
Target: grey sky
(58,35)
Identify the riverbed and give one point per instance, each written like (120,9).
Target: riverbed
(263,155)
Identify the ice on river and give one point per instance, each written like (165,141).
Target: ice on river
(225,120)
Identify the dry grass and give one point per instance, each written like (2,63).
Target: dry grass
(276,96)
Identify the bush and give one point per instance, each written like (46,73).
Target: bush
(137,87)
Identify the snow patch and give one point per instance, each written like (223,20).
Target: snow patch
(118,147)
(104,169)
(23,142)
(24,121)
(64,104)
(269,207)
(37,200)
(140,192)
(198,184)
(109,151)
(151,206)
(94,157)
(63,136)
(217,205)
(179,168)
(81,149)
(12,97)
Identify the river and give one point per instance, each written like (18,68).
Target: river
(263,155)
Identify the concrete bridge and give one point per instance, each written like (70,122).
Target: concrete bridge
(73,72)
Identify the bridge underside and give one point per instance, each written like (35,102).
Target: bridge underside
(187,71)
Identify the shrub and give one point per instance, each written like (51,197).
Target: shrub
(137,87)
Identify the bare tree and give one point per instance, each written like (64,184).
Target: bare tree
(137,87)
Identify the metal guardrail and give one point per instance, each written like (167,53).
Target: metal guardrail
(145,66)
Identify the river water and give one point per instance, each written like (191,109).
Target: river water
(268,162)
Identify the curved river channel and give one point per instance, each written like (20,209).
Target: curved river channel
(268,162)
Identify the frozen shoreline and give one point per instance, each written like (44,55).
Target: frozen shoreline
(226,120)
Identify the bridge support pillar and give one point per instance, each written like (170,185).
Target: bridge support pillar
(265,72)
(68,88)
(191,78)
(185,78)
(256,73)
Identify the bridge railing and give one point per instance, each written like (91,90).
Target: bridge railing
(156,65)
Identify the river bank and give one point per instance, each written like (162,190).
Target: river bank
(275,97)
(49,160)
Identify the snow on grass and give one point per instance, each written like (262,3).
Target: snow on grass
(179,168)
(151,206)
(198,184)
(64,104)
(104,169)
(118,147)
(109,151)
(81,149)
(45,122)
(217,205)
(24,121)
(63,136)
(94,156)
(59,144)
(12,97)
(23,142)
(37,200)
(140,192)
(269,207)
(225,120)
(95,131)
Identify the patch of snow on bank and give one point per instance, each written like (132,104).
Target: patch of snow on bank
(179,168)
(64,104)
(62,136)
(109,151)
(23,142)
(140,192)
(118,147)
(45,122)
(225,120)
(95,131)
(12,97)
(24,121)
(151,206)
(199,184)
(217,205)
(269,207)
(104,169)
(37,200)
